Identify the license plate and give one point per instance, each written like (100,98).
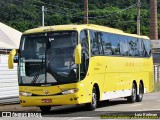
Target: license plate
(46,100)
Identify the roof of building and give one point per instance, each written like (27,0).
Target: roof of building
(9,37)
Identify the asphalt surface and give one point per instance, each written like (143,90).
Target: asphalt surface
(150,106)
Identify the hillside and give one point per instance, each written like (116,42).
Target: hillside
(26,14)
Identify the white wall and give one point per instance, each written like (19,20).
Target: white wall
(8,81)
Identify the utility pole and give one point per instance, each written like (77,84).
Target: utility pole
(138,17)
(153,34)
(43,15)
(85,11)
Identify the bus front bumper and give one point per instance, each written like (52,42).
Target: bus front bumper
(69,99)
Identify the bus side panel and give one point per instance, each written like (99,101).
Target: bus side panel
(120,72)
(96,73)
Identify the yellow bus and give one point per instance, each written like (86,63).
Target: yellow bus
(81,64)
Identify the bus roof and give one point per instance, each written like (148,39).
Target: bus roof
(80,27)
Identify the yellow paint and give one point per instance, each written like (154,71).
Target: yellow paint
(77,54)
(109,73)
(11,58)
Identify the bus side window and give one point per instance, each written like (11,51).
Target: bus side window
(141,48)
(147,48)
(99,42)
(106,43)
(94,43)
(124,48)
(84,42)
(85,53)
(115,45)
(133,50)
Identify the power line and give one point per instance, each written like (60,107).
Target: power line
(63,13)
(69,2)
(149,4)
(120,11)
(49,10)
(119,21)
(74,15)
(116,12)
(28,3)
(154,4)
(58,6)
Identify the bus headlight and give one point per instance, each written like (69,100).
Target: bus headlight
(25,94)
(70,91)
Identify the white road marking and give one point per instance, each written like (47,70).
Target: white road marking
(99,113)
(136,105)
(80,118)
(147,109)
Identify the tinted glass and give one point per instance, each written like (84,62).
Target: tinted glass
(147,47)
(48,58)
(124,46)
(85,54)
(96,45)
(141,48)
(115,46)
(33,46)
(84,42)
(133,49)
(99,40)
(106,43)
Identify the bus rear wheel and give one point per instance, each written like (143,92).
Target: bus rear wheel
(45,109)
(93,104)
(133,96)
(140,96)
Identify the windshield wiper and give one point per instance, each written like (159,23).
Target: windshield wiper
(36,74)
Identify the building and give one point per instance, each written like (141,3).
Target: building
(9,39)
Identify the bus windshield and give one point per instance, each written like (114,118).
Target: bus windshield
(48,58)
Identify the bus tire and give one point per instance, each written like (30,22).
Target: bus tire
(133,96)
(93,104)
(45,109)
(140,96)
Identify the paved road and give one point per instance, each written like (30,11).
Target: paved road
(150,105)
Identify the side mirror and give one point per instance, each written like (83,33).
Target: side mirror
(77,54)
(16,59)
(11,58)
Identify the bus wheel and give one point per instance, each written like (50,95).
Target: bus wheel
(140,96)
(132,98)
(93,104)
(45,109)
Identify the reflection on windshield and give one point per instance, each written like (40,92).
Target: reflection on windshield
(33,47)
(48,58)
(60,57)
